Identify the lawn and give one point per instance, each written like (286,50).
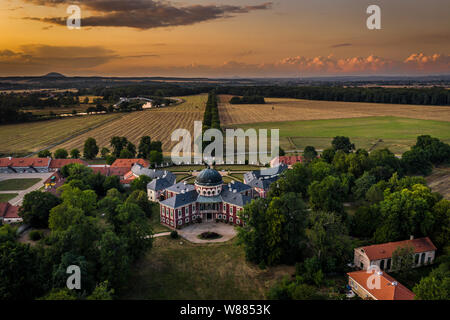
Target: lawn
(157,227)
(5,197)
(180,270)
(398,134)
(17,184)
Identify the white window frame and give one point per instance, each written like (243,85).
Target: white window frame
(186,220)
(231,219)
(180,213)
(180,222)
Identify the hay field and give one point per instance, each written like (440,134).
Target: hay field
(33,136)
(156,123)
(280,109)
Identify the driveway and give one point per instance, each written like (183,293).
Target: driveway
(17,201)
(192,232)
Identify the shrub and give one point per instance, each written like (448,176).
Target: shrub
(35,235)
(174,234)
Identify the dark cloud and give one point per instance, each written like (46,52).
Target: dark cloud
(340,45)
(146,14)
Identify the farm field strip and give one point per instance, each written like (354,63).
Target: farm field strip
(278,109)
(33,136)
(157,123)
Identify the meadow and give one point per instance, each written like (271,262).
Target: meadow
(371,133)
(180,270)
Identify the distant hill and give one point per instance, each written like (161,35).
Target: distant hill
(54,75)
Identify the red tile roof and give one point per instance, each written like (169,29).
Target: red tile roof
(24,162)
(128,163)
(385,250)
(389,288)
(59,163)
(111,171)
(290,160)
(8,211)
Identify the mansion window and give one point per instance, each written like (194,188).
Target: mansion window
(224,207)
(171,213)
(180,222)
(164,220)
(231,219)
(186,211)
(220,216)
(179,213)
(238,221)
(187,220)
(231,210)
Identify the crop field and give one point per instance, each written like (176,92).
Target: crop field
(397,134)
(156,123)
(277,110)
(34,136)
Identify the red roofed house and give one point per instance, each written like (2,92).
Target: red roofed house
(381,254)
(111,171)
(56,164)
(373,285)
(287,160)
(9,213)
(128,163)
(24,165)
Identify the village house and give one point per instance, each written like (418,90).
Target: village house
(377,285)
(380,255)
(260,180)
(24,165)
(9,213)
(286,160)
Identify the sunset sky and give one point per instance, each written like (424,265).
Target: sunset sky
(224,38)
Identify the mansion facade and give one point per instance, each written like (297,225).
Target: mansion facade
(209,199)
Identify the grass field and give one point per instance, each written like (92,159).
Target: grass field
(157,123)
(17,184)
(5,197)
(398,134)
(33,136)
(177,269)
(277,110)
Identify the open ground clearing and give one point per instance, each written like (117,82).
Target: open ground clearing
(278,109)
(439,181)
(17,184)
(156,123)
(179,270)
(398,134)
(34,136)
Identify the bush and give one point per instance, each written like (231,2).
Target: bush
(174,235)
(36,235)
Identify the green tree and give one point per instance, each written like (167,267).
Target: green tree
(436,286)
(104,152)
(328,155)
(112,182)
(309,153)
(101,292)
(141,199)
(326,195)
(36,207)
(126,154)
(114,260)
(61,154)
(140,183)
(75,154)
(90,149)
(44,154)
(328,240)
(155,157)
(403,259)
(59,294)
(63,216)
(342,143)
(145,146)
(118,144)
(362,186)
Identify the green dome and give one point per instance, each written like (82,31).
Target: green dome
(209,177)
